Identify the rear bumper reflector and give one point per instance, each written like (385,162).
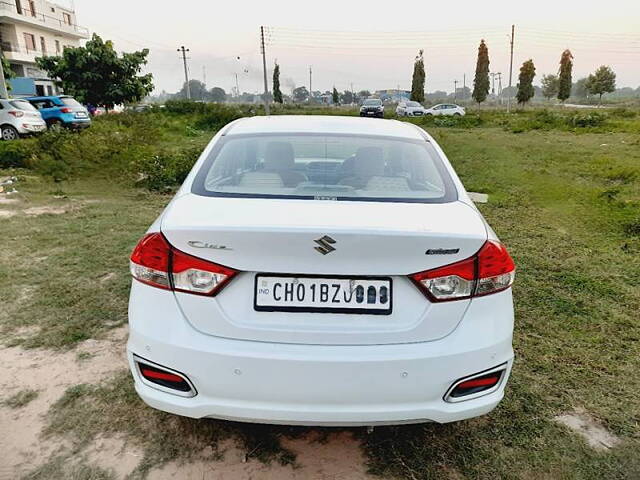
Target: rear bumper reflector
(476,385)
(164,379)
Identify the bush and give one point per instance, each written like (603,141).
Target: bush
(583,120)
(166,170)
(217,116)
(16,154)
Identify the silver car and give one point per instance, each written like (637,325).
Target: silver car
(19,117)
(410,109)
(445,109)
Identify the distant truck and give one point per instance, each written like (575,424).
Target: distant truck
(62,111)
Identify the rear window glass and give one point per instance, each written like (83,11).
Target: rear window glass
(22,105)
(71,102)
(325,167)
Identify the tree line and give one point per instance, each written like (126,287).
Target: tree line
(602,81)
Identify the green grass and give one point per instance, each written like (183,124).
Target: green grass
(566,201)
(20,399)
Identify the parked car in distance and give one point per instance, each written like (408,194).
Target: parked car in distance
(321,270)
(18,117)
(445,109)
(62,111)
(372,107)
(409,109)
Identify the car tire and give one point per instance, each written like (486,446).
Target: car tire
(9,133)
(457,114)
(428,114)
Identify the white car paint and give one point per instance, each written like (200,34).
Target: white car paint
(409,109)
(318,368)
(445,109)
(18,117)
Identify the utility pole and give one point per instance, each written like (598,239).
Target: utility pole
(353,98)
(237,87)
(493,83)
(310,89)
(186,71)
(455,89)
(499,86)
(264,71)
(510,69)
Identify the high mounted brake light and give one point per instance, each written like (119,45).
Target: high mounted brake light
(155,262)
(491,270)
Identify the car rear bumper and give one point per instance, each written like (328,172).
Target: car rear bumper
(26,128)
(317,384)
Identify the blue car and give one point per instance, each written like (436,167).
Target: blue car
(62,111)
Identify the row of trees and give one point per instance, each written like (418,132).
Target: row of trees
(602,81)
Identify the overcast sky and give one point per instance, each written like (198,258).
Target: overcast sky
(369,44)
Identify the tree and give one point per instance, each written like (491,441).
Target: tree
(579,89)
(564,74)
(217,94)
(8,73)
(197,89)
(96,74)
(481,80)
(300,94)
(335,96)
(601,82)
(550,85)
(525,82)
(417,81)
(277,94)
(346,97)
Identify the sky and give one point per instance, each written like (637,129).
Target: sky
(367,45)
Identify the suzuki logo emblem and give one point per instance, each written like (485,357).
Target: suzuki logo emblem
(325,245)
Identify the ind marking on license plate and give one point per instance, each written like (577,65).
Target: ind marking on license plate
(370,295)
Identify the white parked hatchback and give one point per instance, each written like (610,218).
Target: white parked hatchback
(18,117)
(321,271)
(409,109)
(445,109)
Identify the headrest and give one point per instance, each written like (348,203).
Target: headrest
(369,162)
(278,156)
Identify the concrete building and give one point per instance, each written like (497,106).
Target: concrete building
(36,28)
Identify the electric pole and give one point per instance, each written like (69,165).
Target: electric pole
(237,88)
(186,71)
(493,83)
(510,69)
(264,71)
(455,89)
(353,98)
(310,89)
(499,86)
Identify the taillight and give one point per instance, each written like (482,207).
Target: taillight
(66,110)
(155,262)
(16,113)
(490,270)
(163,378)
(476,385)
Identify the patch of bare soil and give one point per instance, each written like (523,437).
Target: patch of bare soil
(50,373)
(46,210)
(580,422)
(335,458)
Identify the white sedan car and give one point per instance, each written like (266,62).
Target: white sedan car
(321,271)
(445,109)
(409,109)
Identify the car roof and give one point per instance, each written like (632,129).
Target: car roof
(47,97)
(327,124)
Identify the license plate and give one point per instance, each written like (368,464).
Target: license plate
(286,293)
(81,115)
(371,113)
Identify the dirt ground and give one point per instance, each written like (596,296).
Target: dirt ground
(51,373)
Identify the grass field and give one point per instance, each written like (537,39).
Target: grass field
(565,201)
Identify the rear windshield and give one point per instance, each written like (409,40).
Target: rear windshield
(325,167)
(72,102)
(22,105)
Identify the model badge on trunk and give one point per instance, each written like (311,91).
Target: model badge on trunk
(199,244)
(325,244)
(442,251)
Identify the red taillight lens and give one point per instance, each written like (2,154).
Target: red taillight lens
(164,378)
(488,271)
(16,113)
(66,110)
(150,261)
(155,262)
